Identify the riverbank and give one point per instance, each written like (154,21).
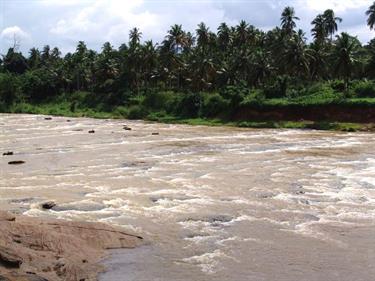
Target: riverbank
(276,117)
(55,250)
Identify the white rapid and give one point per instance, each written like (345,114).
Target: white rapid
(214,203)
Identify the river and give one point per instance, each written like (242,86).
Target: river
(213,203)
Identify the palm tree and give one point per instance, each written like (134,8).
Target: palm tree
(288,19)
(34,58)
(242,33)
(331,22)
(134,37)
(346,54)
(319,30)
(224,36)
(202,36)
(371,16)
(296,56)
(176,38)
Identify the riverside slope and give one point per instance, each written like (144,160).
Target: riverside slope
(33,249)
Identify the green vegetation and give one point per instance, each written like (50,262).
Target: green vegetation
(202,78)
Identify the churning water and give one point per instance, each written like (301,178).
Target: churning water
(214,203)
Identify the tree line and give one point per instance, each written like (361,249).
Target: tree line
(272,61)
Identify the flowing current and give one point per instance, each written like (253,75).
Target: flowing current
(213,203)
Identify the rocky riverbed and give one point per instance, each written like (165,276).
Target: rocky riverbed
(214,203)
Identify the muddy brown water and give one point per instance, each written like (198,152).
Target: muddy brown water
(214,203)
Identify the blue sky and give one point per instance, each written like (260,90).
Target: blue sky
(63,23)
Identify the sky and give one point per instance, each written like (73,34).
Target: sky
(62,23)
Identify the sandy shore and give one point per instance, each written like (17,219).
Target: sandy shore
(34,249)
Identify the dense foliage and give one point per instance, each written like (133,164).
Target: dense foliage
(204,73)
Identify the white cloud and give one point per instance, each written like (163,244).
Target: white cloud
(102,20)
(10,32)
(63,23)
(105,20)
(337,5)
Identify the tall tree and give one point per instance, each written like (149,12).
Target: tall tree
(319,30)
(331,21)
(370,13)
(288,20)
(134,37)
(346,52)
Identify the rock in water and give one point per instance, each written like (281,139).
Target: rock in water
(18,162)
(8,153)
(91,131)
(48,205)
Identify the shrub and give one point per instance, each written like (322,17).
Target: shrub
(338,85)
(137,112)
(121,111)
(277,89)
(364,89)
(255,97)
(9,88)
(213,105)
(235,94)
(161,100)
(189,105)
(39,84)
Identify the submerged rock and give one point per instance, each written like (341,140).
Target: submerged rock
(155,134)
(80,206)
(126,128)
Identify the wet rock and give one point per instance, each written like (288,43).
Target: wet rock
(126,128)
(3,278)
(215,220)
(311,217)
(219,218)
(68,120)
(48,205)
(9,258)
(155,134)
(17,162)
(48,118)
(91,131)
(5,216)
(8,153)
